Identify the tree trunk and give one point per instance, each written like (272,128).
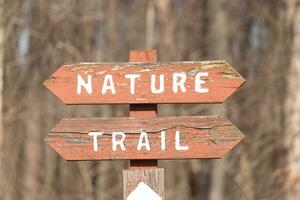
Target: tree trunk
(293,106)
(1,99)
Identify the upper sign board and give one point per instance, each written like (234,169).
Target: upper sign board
(137,82)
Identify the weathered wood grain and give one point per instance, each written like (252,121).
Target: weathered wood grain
(154,178)
(207,137)
(222,81)
(143,55)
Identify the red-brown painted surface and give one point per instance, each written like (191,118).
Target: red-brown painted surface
(206,137)
(143,55)
(221,82)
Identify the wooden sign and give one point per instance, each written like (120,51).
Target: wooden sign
(143,138)
(136,82)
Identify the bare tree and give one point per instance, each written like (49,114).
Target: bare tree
(293,106)
(259,38)
(1,98)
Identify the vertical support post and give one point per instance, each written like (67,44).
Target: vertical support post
(143,173)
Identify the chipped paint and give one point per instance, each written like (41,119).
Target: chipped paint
(235,133)
(229,73)
(211,66)
(77,140)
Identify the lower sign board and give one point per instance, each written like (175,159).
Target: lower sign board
(145,138)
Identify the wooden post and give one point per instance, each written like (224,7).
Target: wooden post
(142,172)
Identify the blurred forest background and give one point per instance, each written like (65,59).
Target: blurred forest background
(261,38)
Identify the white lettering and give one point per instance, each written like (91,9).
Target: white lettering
(163,140)
(177,143)
(199,81)
(143,136)
(95,141)
(132,78)
(179,83)
(108,84)
(119,142)
(118,139)
(87,85)
(154,90)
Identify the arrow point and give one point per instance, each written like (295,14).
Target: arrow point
(143,191)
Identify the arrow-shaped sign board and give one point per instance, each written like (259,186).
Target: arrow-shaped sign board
(143,138)
(136,82)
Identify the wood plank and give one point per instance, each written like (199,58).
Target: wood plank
(221,81)
(206,137)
